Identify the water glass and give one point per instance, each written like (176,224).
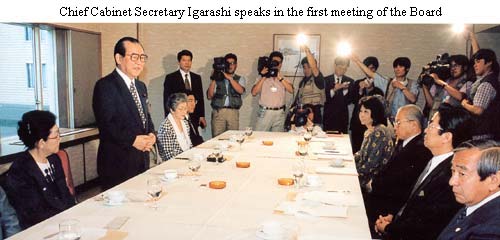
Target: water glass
(69,230)
(154,190)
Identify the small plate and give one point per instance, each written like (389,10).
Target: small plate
(261,235)
(163,178)
(113,204)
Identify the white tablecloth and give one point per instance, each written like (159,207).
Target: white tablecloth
(191,211)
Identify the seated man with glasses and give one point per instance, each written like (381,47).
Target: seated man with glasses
(451,90)
(226,97)
(392,186)
(431,203)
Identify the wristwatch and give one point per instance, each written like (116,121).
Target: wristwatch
(281,79)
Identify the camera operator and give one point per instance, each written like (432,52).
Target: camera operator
(311,87)
(301,118)
(225,91)
(272,89)
(451,90)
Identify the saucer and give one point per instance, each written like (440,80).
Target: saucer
(318,184)
(112,204)
(163,178)
(262,235)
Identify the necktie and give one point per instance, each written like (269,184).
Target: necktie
(133,91)
(462,215)
(186,82)
(417,184)
(421,177)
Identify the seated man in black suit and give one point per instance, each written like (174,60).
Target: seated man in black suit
(392,186)
(431,204)
(476,183)
(194,134)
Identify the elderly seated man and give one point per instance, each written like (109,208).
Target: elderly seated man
(476,184)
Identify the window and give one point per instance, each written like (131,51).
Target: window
(24,68)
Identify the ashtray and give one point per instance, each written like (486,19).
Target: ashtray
(242,164)
(213,158)
(268,143)
(285,181)
(217,184)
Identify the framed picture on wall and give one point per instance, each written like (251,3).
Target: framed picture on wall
(289,46)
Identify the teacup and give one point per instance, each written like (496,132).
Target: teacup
(313,180)
(170,174)
(115,197)
(273,228)
(337,162)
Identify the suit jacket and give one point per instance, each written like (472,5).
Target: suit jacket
(119,123)
(194,134)
(392,186)
(33,197)
(336,112)
(428,209)
(174,83)
(484,223)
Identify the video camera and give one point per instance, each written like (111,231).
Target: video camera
(220,67)
(271,65)
(441,67)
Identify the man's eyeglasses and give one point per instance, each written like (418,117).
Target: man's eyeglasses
(432,125)
(454,66)
(397,123)
(134,57)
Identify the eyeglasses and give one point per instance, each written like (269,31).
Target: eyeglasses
(432,125)
(134,57)
(58,135)
(397,123)
(454,66)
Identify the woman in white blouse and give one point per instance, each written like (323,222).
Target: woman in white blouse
(173,135)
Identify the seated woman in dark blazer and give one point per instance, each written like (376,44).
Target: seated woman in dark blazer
(35,183)
(173,134)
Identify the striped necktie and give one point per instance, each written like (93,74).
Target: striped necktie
(135,95)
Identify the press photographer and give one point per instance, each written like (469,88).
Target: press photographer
(452,89)
(272,87)
(225,91)
(299,116)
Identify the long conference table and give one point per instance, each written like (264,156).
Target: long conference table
(190,210)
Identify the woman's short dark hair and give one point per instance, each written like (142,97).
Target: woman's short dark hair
(489,56)
(184,52)
(175,99)
(377,109)
(35,125)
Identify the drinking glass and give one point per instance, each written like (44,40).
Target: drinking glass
(69,230)
(154,190)
(303,148)
(194,165)
(308,135)
(240,138)
(248,131)
(298,169)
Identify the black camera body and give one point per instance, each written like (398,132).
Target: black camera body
(220,67)
(271,65)
(441,67)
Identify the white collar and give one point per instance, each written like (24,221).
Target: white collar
(125,78)
(406,141)
(184,73)
(182,135)
(435,161)
(473,208)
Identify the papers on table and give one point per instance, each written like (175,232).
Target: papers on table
(319,204)
(337,170)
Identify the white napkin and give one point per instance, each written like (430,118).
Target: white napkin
(312,208)
(339,171)
(332,198)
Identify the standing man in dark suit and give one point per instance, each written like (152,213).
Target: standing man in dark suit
(431,204)
(184,80)
(338,92)
(476,183)
(392,186)
(122,116)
